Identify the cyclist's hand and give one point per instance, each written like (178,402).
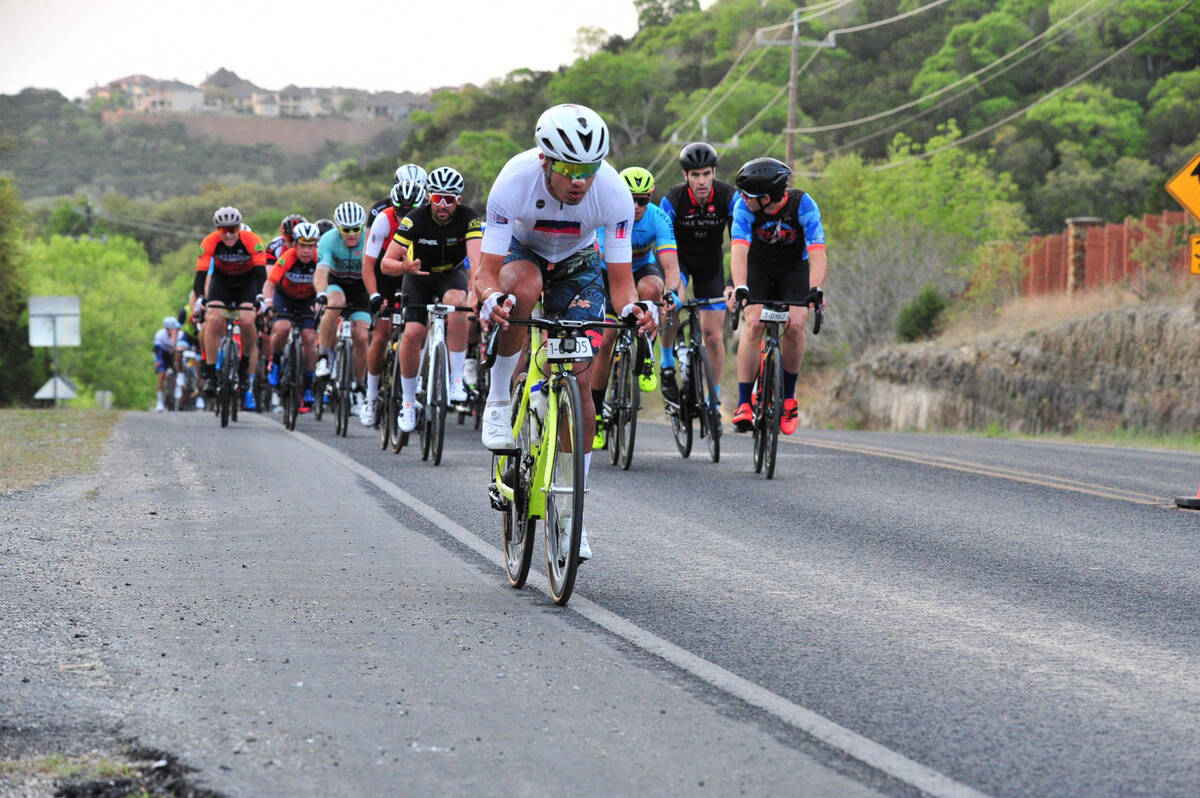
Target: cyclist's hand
(414,267)
(816,299)
(260,304)
(671,301)
(199,307)
(495,309)
(740,295)
(376,304)
(321,301)
(646,314)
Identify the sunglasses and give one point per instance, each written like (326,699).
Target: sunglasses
(759,197)
(641,201)
(575,171)
(306,242)
(233,228)
(350,231)
(443,199)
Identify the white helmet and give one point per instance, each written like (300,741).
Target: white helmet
(227,216)
(349,214)
(407,192)
(445,180)
(170,323)
(573,133)
(410,171)
(305,232)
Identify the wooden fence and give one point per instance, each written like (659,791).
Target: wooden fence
(1090,253)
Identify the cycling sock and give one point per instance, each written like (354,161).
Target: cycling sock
(744,389)
(408,386)
(308,380)
(372,386)
(597,400)
(502,373)
(668,357)
(456,364)
(789,384)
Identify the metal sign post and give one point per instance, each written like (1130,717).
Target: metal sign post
(54,322)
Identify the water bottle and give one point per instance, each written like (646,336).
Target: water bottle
(681,357)
(537,409)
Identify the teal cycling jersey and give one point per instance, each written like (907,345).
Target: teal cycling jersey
(652,234)
(344,263)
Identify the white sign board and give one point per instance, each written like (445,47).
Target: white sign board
(54,321)
(55,388)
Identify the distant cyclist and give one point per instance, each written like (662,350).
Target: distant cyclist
(285,239)
(289,290)
(339,284)
(164,355)
(407,173)
(701,208)
(778,252)
(406,196)
(433,249)
(238,260)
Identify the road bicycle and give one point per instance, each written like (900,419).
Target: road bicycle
(340,382)
(622,398)
(542,478)
(228,358)
(698,385)
(291,373)
(433,395)
(768,386)
(262,388)
(387,412)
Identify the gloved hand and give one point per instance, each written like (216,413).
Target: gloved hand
(376,303)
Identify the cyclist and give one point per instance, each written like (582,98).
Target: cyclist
(778,252)
(284,240)
(701,208)
(542,215)
(164,355)
(433,249)
(324,225)
(407,173)
(289,290)
(405,196)
(339,284)
(238,260)
(655,266)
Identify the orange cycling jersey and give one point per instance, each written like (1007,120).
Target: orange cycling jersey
(236,261)
(294,276)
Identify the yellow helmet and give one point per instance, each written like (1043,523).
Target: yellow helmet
(639,180)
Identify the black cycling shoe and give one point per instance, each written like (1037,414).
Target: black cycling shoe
(670,390)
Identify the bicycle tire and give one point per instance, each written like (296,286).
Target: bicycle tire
(396,400)
(345,364)
(483,384)
(774,368)
(564,499)
(611,398)
(384,400)
(286,400)
(631,395)
(517,526)
(760,427)
(439,405)
(706,401)
(681,419)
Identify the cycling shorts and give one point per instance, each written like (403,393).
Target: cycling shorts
(297,311)
(163,359)
(786,282)
(232,291)
(571,289)
(356,297)
(705,273)
(425,289)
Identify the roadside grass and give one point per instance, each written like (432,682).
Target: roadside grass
(92,765)
(38,446)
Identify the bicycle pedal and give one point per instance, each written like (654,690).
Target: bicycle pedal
(497,499)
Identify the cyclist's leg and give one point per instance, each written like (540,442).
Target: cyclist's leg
(454,292)
(581,298)
(418,292)
(329,322)
(521,277)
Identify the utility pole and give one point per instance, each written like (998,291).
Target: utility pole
(795,42)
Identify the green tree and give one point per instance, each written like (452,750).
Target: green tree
(1174,115)
(1106,126)
(121,306)
(629,90)
(16,356)
(653,13)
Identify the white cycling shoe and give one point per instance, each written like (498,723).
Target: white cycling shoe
(366,413)
(322,370)
(585,551)
(458,391)
(497,428)
(408,417)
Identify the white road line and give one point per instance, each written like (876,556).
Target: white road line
(880,757)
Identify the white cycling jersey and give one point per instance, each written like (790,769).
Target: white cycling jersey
(521,207)
(380,235)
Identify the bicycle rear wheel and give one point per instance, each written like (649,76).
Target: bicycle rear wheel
(564,498)
(345,363)
(439,404)
(287,397)
(774,411)
(384,401)
(706,401)
(518,526)
(628,400)
(612,401)
(395,401)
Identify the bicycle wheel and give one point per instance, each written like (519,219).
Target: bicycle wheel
(518,526)
(345,363)
(439,402)
(384,401)
(564,497)
(285,389)
(395,401)
(482,385)
(681,418)
(629,398)
(774,410)
(612,399)
(706,401)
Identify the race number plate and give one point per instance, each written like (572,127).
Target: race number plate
(344,328)
(568,348)
(773,315)
(397,319)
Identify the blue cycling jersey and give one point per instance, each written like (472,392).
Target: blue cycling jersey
(785,237)
(345,263)
(652,234)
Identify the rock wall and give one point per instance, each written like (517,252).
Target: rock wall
(1128,368)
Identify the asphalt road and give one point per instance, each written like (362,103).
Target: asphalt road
(891,613)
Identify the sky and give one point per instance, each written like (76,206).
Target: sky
(70,45)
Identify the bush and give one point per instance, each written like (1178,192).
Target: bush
(919,318)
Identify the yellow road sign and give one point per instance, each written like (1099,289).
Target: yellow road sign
(1185,186)
(1194,249)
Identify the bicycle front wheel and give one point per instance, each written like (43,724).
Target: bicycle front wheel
(564,494)
(345,360)
(395,401)
(440,402)
(515,470)
(384,400)
(612,394)
(628,400)
(774,409)
(706,401)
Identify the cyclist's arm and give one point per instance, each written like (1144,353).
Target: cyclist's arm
(739,243)
(273,280)
(396,262)
(817,266)
(814,237)
(666,250)
(321,278)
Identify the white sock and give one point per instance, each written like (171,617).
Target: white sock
(587,467)
(502,374)
(456,364)
(408,386)
(159,395)
(372,386)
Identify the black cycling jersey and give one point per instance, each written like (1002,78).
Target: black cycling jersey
(440,247)
(377,209)
(700,226)
(275,248)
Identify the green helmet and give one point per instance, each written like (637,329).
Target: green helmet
(639,180)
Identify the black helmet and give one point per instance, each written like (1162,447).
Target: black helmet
(697,155)
(324,225)
(289,223)
(763,176)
